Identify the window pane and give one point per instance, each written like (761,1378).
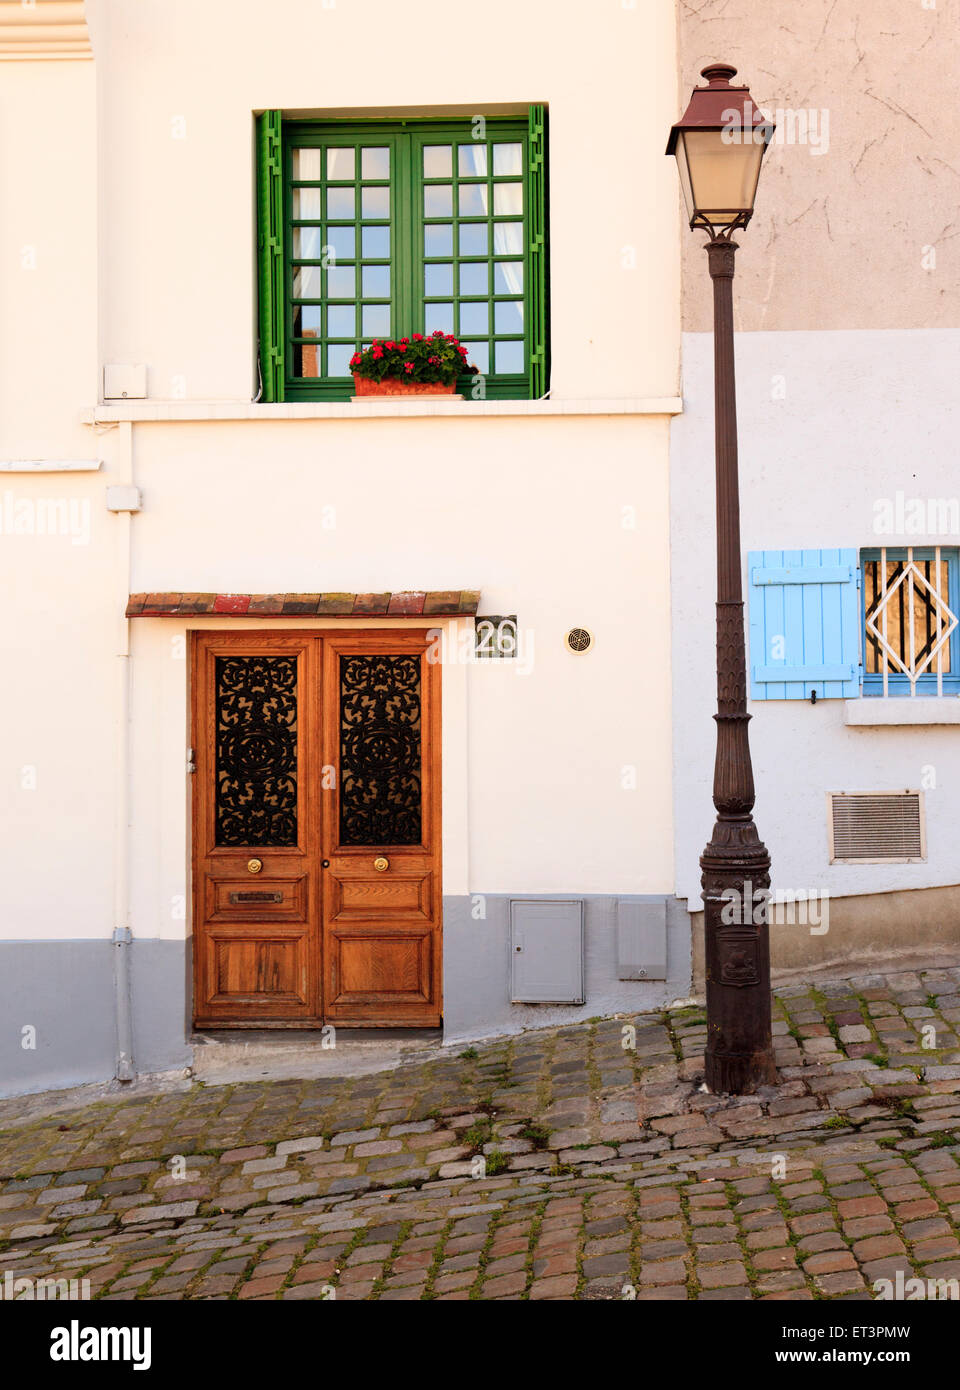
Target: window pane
(338,360)
(437,280)
(479,355)
(508,316)
(438,239)
(306,359)
(308,164)
(307,204)
(342,242)
(341,282)
(508,238)
(472,200)
(375,202)
(308,282)
(375,242)
(438,316)
(438,200)
(508,199)
(340,165)
(308,243)
(342,321)
(508,357)
(508,159)
(376,282)
(341,203)
(474,240)
(910,612)
(375,163)
(437,161)
(472,161)
(376,320)
(475,318)
(474,279)
(306,321)
(508,277)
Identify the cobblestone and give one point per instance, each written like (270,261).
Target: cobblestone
(605,1174)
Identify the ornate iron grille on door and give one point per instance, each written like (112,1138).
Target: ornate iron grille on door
(380,750)
(256,757)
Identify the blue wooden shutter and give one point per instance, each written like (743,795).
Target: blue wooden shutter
(804,624)
(270,253)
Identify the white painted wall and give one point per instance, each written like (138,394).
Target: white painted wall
(534,750)
(179,81)
(829,423)
(133,176)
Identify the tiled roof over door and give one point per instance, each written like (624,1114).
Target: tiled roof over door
(408,603)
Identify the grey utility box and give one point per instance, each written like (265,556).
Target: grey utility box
(641,940)
(546,950)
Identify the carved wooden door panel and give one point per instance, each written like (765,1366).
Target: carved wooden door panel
(316,829)
(256,816)
(381,830)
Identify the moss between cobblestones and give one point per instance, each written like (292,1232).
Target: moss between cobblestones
(379,1284)
(436,1262)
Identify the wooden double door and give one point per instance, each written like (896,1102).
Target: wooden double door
(316,829)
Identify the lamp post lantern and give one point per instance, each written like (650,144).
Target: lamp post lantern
(719,145)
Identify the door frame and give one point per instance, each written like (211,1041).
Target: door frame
(322,644)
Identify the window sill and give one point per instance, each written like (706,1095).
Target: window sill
(379,408)
(872,712)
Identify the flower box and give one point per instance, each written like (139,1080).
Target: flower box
(393,386)
(421,365)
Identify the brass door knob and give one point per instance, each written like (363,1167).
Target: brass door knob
(254,866)
(381,864)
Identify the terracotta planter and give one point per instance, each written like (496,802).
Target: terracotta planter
(393,386)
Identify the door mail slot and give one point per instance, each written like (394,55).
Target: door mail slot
(256,897)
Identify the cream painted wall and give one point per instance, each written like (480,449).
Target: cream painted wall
(48,257)
(506,506)
(145,253)
(179,81)
(57,542)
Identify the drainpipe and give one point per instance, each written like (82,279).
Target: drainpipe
(123,499)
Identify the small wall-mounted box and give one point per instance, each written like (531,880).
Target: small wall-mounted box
(124,383)
(123,499)
(641,940)
(546,950)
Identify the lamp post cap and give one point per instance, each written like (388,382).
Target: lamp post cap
(718,74)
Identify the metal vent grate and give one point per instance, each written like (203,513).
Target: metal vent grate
(579,639)
(876,827)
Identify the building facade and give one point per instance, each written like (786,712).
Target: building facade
(847,314)
(324,711)
(266,765)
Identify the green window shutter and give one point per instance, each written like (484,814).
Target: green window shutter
(539,343)
(270,252)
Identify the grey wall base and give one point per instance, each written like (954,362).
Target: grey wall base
(477,967)
(64,991)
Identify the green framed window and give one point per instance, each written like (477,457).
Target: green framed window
(383,229)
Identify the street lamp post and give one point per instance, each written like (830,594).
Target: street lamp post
(719,145)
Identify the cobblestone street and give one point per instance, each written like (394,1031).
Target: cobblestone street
(607,1172)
